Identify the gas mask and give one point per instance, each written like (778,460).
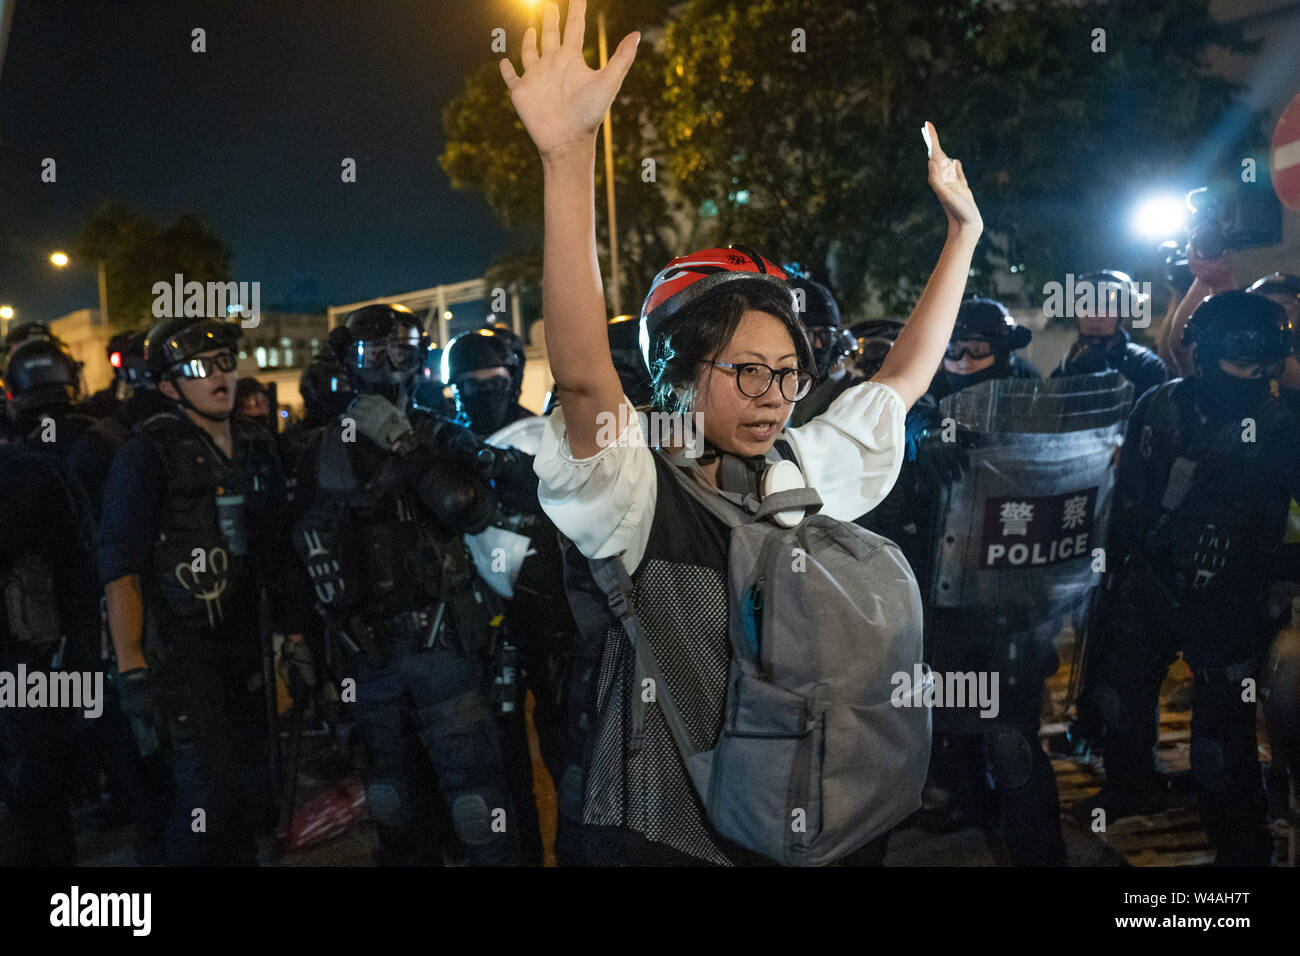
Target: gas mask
(485,402)
(386,366)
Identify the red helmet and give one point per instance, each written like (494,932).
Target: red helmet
(688,278)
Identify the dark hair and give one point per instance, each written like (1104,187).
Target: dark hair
(700,332)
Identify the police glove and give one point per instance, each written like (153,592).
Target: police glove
(138,697)
(297,669)
(379,420)
(943,462)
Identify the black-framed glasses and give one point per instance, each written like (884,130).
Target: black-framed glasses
(200,367)
(975,348)
(754,379)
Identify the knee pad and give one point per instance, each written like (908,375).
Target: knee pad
(472,819)
(1012,758)
(388,804)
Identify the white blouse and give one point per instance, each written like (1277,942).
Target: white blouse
(605,504)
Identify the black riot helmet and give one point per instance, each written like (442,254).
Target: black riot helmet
(484,402)
(29,330)
(324,387)
(821,319)
(516,345)
(1117,294)
(624,333)
(133,370)
(1283,289)
(874,338)
(41,375)
(1238,326)
(172,347)
(126,357)
(173,343)
(382,349)
(989,320)
(473,351)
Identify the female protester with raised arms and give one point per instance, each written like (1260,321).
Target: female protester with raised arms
(723,341)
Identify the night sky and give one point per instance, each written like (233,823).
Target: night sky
(250,135)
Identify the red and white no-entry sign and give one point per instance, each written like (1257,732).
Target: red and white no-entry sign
(1286,156)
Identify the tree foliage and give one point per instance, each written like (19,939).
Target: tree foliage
(794,126)
(137,253)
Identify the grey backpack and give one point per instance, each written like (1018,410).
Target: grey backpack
(823,747)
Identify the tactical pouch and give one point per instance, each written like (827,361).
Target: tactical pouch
(30,606)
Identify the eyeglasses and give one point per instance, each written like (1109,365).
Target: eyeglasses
(975,348)
(754,379)
(200,367)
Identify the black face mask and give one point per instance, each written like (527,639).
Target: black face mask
(485,402)
(1226,398)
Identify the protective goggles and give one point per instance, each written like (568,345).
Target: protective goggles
(400,350)
(754,379)
(200,367)
(1263,369)
(1256,345)
(975,348)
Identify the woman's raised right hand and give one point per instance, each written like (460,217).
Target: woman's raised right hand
(560,99)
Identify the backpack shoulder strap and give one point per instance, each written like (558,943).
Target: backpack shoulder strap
(612,577)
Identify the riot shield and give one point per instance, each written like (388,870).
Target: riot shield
(1021,529)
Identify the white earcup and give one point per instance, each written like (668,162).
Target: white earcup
(783,476)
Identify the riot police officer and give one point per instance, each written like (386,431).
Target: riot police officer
(485,372)
(1207,470)
(875,337)
(326,393)
(125,353)
(624,334)
(43,380)
(832,346)
(554,666)
(1013,643)
(1285,291)
(1103,342)
(143,400)
(192,526)
(49,622)
(380,509)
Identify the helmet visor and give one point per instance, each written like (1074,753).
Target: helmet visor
(399,350)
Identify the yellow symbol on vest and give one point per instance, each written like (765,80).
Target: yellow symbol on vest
(212,584)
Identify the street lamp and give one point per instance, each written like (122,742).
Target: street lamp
(615,275)
(61,260)
(6,312)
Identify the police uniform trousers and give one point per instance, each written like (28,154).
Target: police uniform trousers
(439,696)
(1221,637)
(218,772)
(1017,646)
(36,761)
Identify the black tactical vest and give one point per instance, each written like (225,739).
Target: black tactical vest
(1215,503)
(210,527)
(368,542)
